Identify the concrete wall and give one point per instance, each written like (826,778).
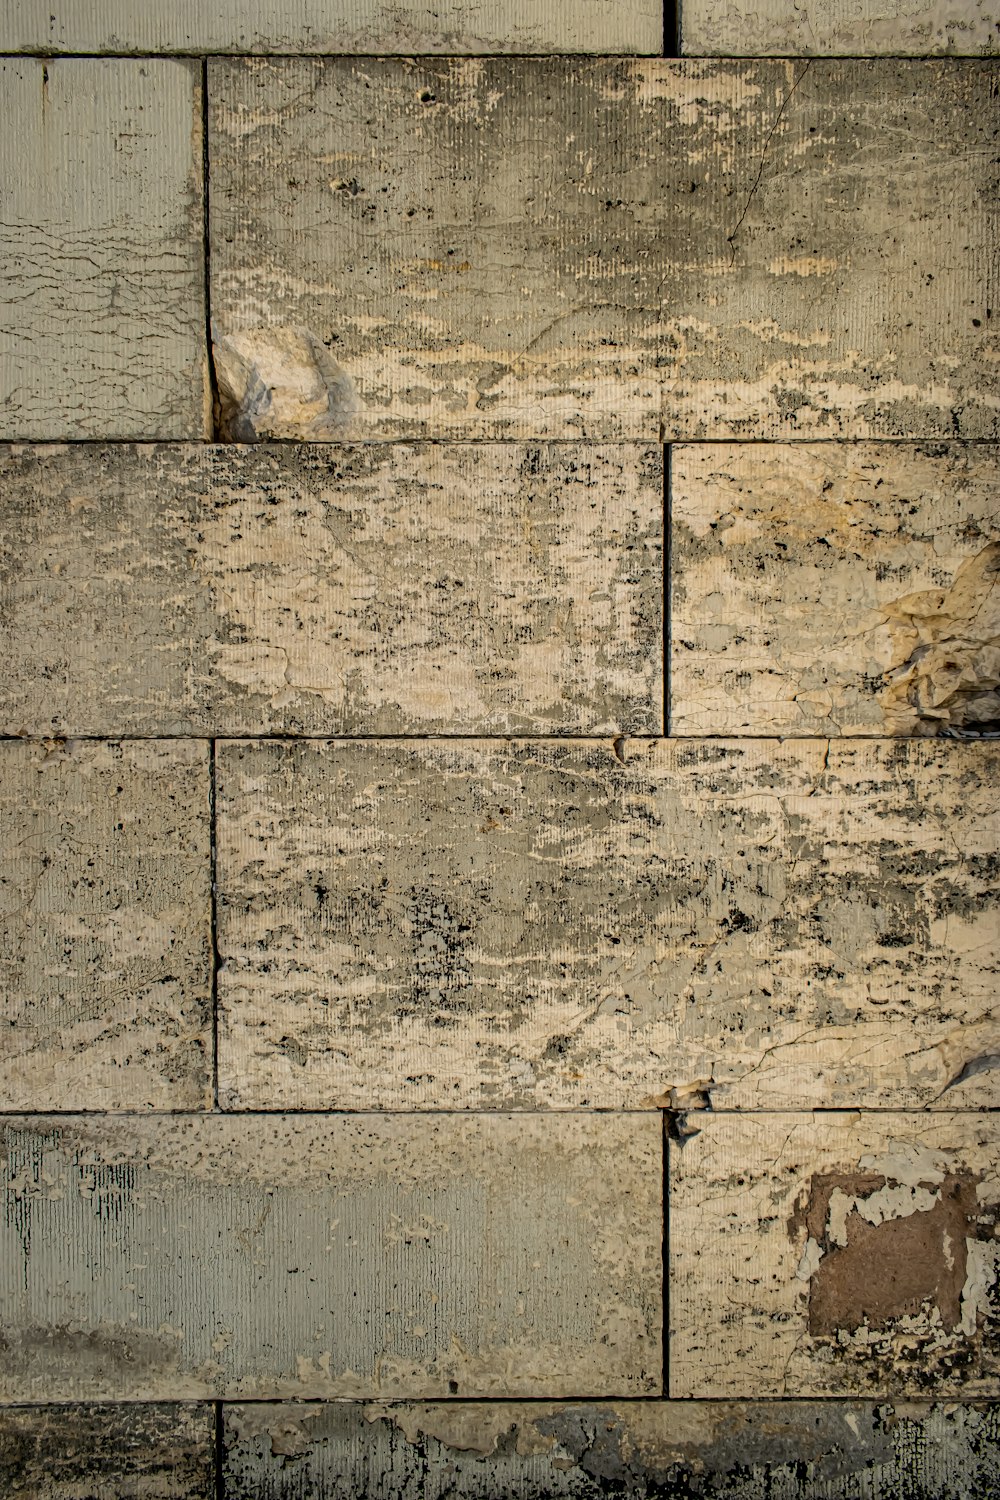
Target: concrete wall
(499,751)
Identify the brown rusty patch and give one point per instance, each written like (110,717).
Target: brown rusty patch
(892,1269)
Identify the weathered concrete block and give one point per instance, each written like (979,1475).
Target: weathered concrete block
(379,26)
(179,1257)
(651,249)
(800,1450)
(105,932)
(860,28)
(102,327)
(835,1254)
(830,589)
(392,589)
(107,1452)
(532,925)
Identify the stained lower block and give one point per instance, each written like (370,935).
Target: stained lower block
(190,1256)
(104,1452)
(530,924)
(798,1450)
(835,1254)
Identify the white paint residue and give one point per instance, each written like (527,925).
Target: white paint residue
(906,1162)
(980,1274)
(895,1201)
(809,1263)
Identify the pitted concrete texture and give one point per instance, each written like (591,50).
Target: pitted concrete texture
(619,248)
(379,26)
(858,1254)
(330,1256)
(378,589)
(858,28)
(835,589)
(134,1452)
(533,925)
(105,925)
(102,305)
(798,1450)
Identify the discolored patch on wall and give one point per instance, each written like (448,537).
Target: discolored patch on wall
(887,1250)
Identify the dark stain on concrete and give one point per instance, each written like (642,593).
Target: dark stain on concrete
(889,1270)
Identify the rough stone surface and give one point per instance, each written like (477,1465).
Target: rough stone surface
(325,1256)
(835,589)
(379,26)
(107,1452)
(534,924)
(104,925)
(764,28)
(795,1450)
(377,589)
(615,248)
(102,308)
(854,1253)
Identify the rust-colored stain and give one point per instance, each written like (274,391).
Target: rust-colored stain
(889,1270)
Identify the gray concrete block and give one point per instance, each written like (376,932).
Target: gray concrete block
(834,1255)
(379,589)
(102,308)
(832,589)
(798,1450)
(95,1452)
(858,28)
(611,249)
(349,26)
(647,923)
(180,1257)
(105,936)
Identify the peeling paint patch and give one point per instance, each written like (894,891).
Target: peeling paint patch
(835,589)
(888,1250)
(949,639)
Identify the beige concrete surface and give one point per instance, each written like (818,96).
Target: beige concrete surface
(358,26)
(105,932)
(624,248)
(855,28)
(532,925)
(393,588)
